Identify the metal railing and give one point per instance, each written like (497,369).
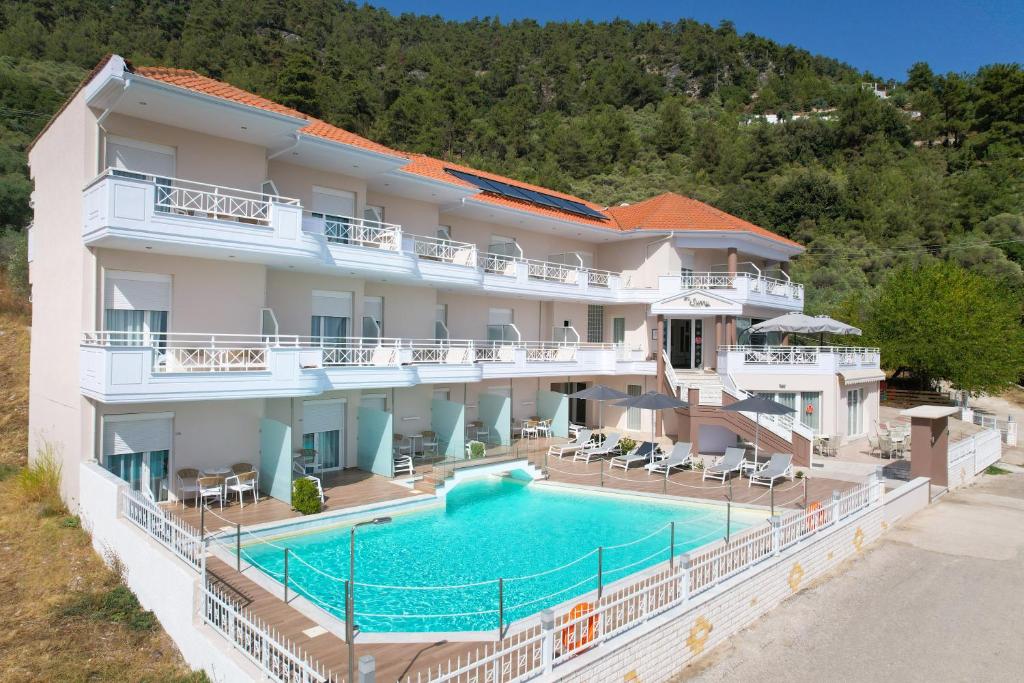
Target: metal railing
(277,658)
(707,280)
(172,533)
(359,232)
(498,264)
(805,355)
(178,196)
(444,250)
(758,283)
(546,271)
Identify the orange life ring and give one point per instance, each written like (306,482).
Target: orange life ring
(815,515)
(584,631)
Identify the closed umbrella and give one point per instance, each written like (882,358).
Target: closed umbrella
(652,401)
(760,406)
(599,393)
(802,323)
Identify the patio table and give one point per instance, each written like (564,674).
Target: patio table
(216,471)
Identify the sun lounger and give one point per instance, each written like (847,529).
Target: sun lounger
(731,462)
(642,452)
(781,465)
(610,446)
(564,449)
(680,456)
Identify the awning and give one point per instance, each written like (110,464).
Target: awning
(861,376)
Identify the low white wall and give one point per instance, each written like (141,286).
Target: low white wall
(162,582)
(661,647)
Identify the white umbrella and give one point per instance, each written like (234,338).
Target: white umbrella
(760,406)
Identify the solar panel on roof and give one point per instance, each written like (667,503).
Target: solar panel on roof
(524,194)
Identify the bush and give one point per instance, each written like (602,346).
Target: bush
(14,260)
(118,605)
(799,474)
(626,445)
(40,481)
(305,497)
(476,449)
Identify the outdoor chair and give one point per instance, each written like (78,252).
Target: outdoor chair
(241,484)
(731,462)
(430,443)
(680,456)
(588,451)
(403,464)
(211,487)
(401,445)
(581,439)
(185,479)
(299,470)
(529,429)
(544,428)
(780,466)
(643,452)
(242,467)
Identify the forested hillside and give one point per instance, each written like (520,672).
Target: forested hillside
(610,111)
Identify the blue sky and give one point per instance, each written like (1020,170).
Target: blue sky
(876,35)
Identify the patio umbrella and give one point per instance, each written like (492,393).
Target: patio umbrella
(652,401)
(805,324)
(760,406)
(599,393)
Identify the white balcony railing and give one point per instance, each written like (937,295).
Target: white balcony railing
(190,198)
(358,232)
(754,283)
(444,250)
(797,359)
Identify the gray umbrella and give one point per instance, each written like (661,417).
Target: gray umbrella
(599,393)
(760,406)
(652,401)
(806,324)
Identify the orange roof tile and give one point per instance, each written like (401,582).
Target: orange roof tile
(190,80)
(671,211)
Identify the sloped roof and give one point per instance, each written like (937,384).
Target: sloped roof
(665,212)
(671,211)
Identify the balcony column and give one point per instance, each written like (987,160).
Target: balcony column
(732,261)
(730,330)
(718,342)
(659,357)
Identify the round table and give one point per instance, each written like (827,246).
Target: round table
(216,472)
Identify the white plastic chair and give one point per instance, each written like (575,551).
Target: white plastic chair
(211,487)
(241,484)
(186,485)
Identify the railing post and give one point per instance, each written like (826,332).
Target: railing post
(776,523)
(805,493)
(771,497)
(501,608)
(835,505)
(202,521)
(600,467)
(238,547)
(367,669)
(879,488)
(728,519)
(686,564)
(286,575)
(547,625)
(600,572)
(671,545)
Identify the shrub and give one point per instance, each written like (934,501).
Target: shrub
(40,481)
(476,449)
(118,605)
(626,445)
(799,474)
(305,497)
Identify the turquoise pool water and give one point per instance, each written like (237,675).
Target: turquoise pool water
(406,570)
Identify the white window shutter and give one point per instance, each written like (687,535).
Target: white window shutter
(136,436)
(128,294)
(334,304)
(322,416)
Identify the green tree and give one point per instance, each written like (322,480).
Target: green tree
(943,322)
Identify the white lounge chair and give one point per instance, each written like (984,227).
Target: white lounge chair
(780,466)
(643,452)
(731,462)
(680,456)
(581,439)
(610,446)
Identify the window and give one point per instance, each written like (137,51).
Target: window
(142,157)
(442,394)
(810,410)
(441,321)
(136,307)
(374,214)
(323,430)
(633,414)
(499,325)
(595,324)
(503,246)
(444,232)
(137,449)
(332,315)
(619,330)
(373,317)
(855,412)
(374,402)
(336,207)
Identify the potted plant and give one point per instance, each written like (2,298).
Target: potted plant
(476,449)
(627,444)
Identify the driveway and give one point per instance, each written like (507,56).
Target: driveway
(939,598)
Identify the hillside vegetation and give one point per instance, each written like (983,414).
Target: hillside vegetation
(612,111)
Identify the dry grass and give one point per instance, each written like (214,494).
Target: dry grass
(66,616)
(1015,396)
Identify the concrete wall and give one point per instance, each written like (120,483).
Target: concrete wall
(63,286)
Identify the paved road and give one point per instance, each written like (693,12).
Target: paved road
(940,598)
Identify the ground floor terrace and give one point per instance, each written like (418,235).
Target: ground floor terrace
(399,659)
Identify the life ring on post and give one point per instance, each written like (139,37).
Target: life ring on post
(579,631)
(815,515)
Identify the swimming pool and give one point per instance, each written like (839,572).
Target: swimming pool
(437,569)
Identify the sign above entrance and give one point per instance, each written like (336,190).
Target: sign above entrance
(695,301)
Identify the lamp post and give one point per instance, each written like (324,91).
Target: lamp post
(350,629)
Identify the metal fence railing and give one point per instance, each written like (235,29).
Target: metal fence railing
(172,533)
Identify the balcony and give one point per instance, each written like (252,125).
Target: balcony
(128,367)
(751,288)
(798,360)
(127,210)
